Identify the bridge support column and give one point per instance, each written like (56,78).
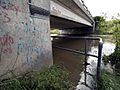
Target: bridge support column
(25,42)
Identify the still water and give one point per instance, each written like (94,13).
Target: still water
(74,62)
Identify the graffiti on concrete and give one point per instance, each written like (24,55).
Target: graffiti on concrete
(28,48)
(29,61)
(6,41)
(55,10)
(5,16)
(6,4)
(25,36)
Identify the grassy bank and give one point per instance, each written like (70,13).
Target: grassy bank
(54,78)
(109,81)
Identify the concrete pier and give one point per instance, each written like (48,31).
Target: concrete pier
(24,35)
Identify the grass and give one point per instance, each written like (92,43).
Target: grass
(54,78)
(109,81)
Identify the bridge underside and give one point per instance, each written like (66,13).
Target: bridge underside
(62,23)
(68,27)
(70,16)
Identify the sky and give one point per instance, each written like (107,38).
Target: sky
(97,7)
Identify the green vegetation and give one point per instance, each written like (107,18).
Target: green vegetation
(114,26)
(109,81)
(114,58)
(99,22)
(54,78)
(55,31)
(106,27)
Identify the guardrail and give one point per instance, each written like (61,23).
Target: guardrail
(100,45)
(85,7)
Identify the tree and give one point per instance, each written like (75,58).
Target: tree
(99,21)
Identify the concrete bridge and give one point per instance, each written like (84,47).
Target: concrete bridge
(25,42)
(70,14)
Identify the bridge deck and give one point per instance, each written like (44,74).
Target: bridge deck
(69,14)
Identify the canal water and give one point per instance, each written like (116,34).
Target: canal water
(74,62)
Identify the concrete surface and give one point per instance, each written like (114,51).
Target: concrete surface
(24,39)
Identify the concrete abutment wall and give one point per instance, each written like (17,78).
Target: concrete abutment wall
(25,42)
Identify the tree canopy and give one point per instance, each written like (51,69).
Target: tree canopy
(106,27)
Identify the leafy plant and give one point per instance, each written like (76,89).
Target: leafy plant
(107,27)
(109,81)
(55,31)
(53,78)
(114,58)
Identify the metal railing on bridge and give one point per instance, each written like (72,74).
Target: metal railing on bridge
(82,2)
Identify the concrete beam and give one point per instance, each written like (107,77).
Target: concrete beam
(83,7)
(62,23)
(64,9)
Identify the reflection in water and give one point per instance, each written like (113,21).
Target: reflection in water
(108,48)
(74,62)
